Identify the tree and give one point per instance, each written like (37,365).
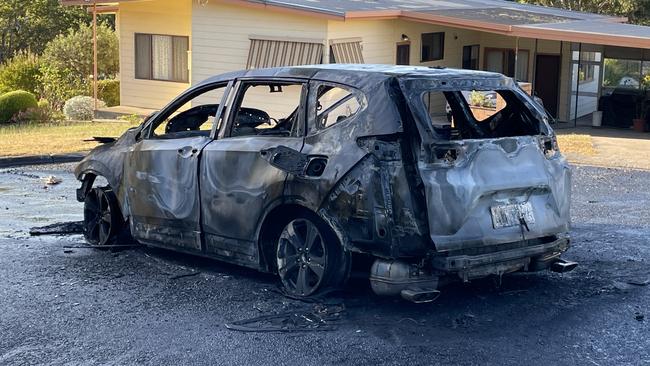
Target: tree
(638,11)
(67,62)
(21,72)
(28,25)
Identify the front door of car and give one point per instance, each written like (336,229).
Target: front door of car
(238,183)
(161,170)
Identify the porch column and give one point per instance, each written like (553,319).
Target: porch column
(575,112)
(516,57)
(95,53)
(534,79)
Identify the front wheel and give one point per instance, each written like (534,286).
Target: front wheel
(310,258)
(102,218)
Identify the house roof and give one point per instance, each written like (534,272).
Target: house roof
(494,16)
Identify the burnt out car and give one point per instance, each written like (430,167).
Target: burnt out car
(300,170)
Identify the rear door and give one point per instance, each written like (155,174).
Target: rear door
(238,183)
(493,174)
(161,171)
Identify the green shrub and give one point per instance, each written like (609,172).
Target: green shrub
(43,113)
(44,103)
(108,91)
(32,115)
(22,72)
(81,108)
(13,102)
(68,62)
(59,85)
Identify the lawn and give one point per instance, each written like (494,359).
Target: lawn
(55,138)
(576,144)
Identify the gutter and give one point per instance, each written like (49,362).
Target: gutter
(538,31)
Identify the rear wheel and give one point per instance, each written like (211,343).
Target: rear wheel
(102,218)
(310,258)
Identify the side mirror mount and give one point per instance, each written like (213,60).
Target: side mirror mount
(150,116)
(145,125)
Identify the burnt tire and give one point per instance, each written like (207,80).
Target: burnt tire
(310,259)
(103,221)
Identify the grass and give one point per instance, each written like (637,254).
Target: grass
(576,144)
(55,138)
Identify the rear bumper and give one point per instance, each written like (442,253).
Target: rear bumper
(531,258)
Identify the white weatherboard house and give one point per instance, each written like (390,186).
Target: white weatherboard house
(167,45)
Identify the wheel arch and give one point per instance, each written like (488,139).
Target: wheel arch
(275,219)
(88,171)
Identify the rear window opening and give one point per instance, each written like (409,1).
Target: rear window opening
(479,114)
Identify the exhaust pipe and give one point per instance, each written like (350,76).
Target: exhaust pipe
(419,295)
(562,266)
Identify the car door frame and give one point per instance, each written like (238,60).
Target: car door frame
(242,248)
(162,228)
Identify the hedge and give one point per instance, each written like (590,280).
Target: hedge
(13,102)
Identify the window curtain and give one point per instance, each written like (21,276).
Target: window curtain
(181,67)
(143,56)
(162,57)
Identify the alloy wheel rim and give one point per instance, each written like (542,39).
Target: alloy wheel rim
(301,257)
(98,218)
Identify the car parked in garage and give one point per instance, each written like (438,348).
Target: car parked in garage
(297,170)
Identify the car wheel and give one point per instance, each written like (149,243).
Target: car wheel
(310,258)
(102,217)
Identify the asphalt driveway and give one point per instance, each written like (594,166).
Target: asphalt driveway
(62,304)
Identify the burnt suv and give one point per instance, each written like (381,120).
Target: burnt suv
(435,174)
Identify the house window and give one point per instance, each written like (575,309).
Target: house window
(346,51)
(470,57)
(503,61)
(586,73)
(275,53)
(433,46)
(161,57)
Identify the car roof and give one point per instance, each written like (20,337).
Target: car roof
(354,74)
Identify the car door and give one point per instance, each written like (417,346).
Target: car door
(161,170)
(331,143)
(237,181)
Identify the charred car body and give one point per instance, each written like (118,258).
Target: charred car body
(292,170)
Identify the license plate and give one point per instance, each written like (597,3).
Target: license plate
(511,215)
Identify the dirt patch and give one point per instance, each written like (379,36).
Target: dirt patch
(576,144)
(606,148)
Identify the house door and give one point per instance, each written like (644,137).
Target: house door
(547,81)
(403,54)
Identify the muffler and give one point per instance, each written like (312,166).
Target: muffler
(562,265)
(393,277)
